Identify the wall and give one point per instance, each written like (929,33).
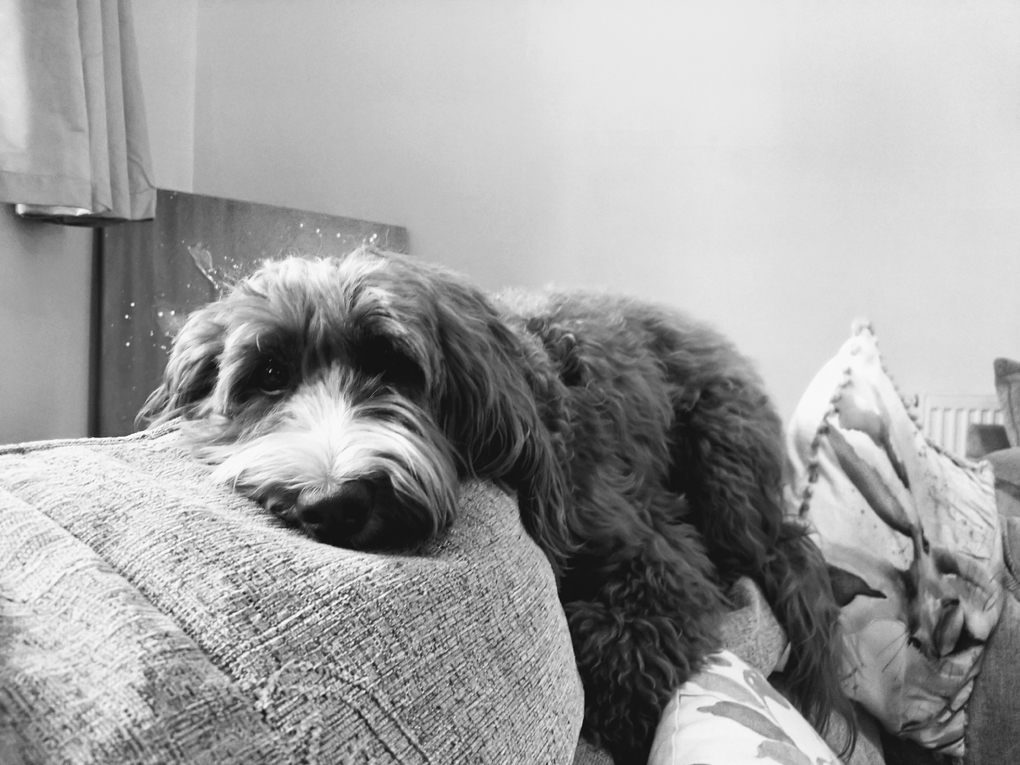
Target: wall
(776,168)
(44,329)
(167,35)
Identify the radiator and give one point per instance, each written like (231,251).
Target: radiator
(945,419)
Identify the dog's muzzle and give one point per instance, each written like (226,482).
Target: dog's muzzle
(343,516)
(352,468)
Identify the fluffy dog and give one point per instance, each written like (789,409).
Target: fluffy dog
(351,396)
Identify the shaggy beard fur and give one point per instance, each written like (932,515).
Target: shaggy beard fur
(351,396)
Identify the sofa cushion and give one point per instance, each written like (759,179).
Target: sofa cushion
(1006,467)
(913,540)
(1007,386)
(149,615)
(985,438)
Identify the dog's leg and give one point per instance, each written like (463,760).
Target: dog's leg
(795,581)
(640,634)
(729,462)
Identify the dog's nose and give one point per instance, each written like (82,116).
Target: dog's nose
(339,517)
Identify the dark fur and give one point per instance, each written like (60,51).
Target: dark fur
(647,459)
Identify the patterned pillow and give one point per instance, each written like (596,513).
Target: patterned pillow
(1007,386)
(729,713)
(913,541)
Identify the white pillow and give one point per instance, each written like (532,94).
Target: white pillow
(913,540)
(729,714)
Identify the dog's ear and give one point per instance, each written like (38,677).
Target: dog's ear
(489,409)
(191,371)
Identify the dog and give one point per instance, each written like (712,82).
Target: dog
(351,396)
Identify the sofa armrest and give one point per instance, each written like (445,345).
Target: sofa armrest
(983,439)
(149,615)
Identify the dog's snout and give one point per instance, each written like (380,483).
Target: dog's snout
(339,517)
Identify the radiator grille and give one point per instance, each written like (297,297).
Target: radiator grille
(945,418)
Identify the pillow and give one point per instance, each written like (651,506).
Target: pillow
(913,541)
(729,713)
(1007,386)
(150,615)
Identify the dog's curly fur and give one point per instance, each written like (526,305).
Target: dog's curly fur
(350,396)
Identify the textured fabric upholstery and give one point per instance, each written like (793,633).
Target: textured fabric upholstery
(148,615)
(1007,387)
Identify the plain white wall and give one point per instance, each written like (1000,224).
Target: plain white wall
(45,273)
(776,168)
(167,35)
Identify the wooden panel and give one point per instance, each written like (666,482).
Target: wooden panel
(153,273)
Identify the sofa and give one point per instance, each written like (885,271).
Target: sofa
(150,615)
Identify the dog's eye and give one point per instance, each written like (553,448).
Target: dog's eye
(270,377)
(379,357)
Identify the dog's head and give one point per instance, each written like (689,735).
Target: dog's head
(351,395)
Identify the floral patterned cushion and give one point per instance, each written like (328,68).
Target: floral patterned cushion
(729,713)
(913,540)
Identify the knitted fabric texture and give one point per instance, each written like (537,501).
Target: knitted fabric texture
(149,615)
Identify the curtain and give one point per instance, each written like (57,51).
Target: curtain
(74,145)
